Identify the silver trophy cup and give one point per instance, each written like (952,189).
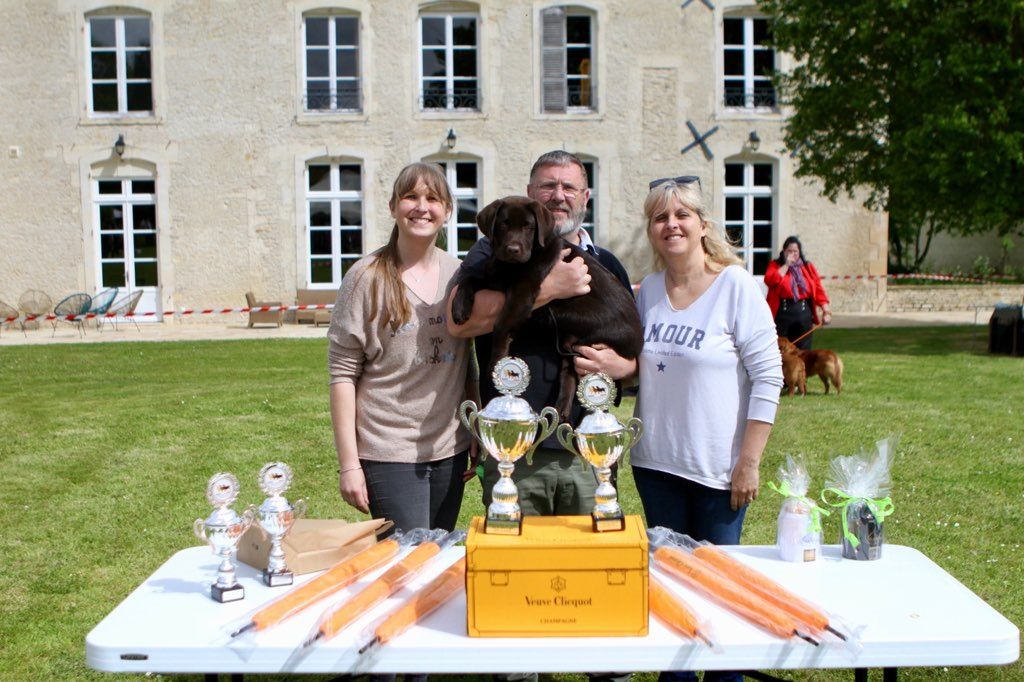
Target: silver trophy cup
(275,517)
(507,429)
(221,530)
(601,440)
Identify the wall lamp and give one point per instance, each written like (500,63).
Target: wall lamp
(119,146)
(451,139)
(753,141)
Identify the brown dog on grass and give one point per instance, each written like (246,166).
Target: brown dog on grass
(793,371)
(822,363)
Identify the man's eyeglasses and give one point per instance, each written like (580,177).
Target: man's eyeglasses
(681,180)
(548,188)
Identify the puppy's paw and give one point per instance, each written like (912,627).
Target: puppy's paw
(462,307)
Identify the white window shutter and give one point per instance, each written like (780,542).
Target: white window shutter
(554,93)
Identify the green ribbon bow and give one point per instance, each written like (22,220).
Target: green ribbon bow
(816,511)
(879,507)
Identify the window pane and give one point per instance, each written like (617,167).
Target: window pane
(112,246)
(465,174)
(733,31)
(464,31)
(465,62)
(101,32)
(433,63)
(352,241)
(346,265)
(110,187)
(734,175)
(435,94)
(316,30)
(578,60)
(467,212)
(762,209)
(320,242)
(351,213)
(735,95)
(144,216)
(136,64)
(317,64)
(349,177)
(764,62)
(320,213)
(145,275)
(320,178)
(763,174)
(113,274)
(111,218)
(104,98)
(734,208)
(346,30)
(143,187)
(347,63)
(145,245)
(320,271)
(104,65)
(136,33)
(433,31)
(348,94)
(577,29)
(762,31)
(733,62)
(734,233)
(761,262)
(762,236)
(591,174)
(318,95)
(140,97)
(466,238)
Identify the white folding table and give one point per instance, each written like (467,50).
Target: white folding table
(909,612)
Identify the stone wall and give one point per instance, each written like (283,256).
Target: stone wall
(912,298)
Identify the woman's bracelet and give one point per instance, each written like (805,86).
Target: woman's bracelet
(345,471)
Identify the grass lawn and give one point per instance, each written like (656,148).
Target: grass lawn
(106,451)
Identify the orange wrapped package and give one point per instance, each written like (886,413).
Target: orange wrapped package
(701,576)
(426,601)
(341,616)
(765,587)
(335,578)
(674,613)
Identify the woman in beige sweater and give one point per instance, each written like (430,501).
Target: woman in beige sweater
(397,375)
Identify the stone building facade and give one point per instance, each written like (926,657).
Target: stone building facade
(197,150)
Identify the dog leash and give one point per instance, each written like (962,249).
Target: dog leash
(807,333)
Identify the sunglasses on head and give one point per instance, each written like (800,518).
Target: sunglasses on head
(681,180)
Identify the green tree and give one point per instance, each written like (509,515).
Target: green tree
(917,103)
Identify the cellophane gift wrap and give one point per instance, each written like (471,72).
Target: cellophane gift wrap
(799,527)
(860,488)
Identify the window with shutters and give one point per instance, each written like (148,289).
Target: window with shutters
(567,60)
(119,67)
(747,63)
(749,212)
(449,62)
(331,64)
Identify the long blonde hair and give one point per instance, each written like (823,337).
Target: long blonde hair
(718,252)
(388,289)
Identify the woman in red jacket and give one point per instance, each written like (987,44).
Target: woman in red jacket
(795,293)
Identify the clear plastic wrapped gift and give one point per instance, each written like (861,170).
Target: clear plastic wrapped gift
(860,488)
(799,526)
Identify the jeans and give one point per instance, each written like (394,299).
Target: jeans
(419,495)
(701,512)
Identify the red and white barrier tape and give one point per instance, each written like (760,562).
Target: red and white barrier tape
(81,317)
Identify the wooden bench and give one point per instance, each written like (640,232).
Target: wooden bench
(314,297)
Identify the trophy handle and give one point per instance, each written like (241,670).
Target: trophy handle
(564,433)
(250,518)
(635,428)
(199,528)
(468,414)
(548,421)
(299,509)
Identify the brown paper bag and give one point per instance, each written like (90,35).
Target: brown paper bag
(312,544)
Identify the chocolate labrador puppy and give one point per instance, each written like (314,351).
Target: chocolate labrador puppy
(525,248)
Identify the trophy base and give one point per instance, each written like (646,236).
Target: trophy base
(278,579)
(226,594)
(499,526)
(604,524)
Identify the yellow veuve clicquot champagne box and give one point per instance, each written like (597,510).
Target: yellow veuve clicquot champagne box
(558,579)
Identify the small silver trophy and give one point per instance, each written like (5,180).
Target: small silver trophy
(507,430)
(221,531)
(275,517)
(601,440)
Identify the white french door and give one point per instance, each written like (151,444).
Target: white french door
(124,216)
